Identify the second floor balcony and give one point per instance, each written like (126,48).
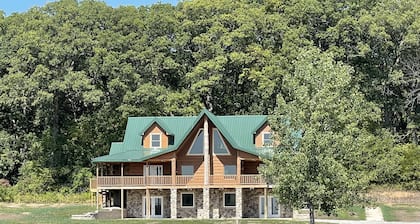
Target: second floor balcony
(104,182)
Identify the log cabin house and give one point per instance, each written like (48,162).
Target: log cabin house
(203,166)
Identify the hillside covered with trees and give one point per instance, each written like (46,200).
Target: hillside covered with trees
(72,72)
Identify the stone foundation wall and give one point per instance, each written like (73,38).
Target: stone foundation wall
(250,201)
(198,203)
(217,206)
(135,202)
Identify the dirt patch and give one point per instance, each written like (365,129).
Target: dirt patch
(396,197)
(32,205)
(4,216)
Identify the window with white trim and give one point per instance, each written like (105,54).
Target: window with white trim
(219,146)
(229,199)
(197,145)
(267,139)
(187,170)
(155,140)
(187,200)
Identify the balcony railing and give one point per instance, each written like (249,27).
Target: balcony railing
(252,179)
(159,180)
(181,180)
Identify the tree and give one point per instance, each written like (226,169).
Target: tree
(321,122)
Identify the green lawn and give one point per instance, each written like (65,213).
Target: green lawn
(353,213)
(26,213)
(409,213)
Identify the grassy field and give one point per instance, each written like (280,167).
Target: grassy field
(61,213)
(353,213)
(401,212)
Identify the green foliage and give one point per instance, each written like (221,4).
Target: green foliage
(7,194)
(322,124)
(72,71)
(34,178)
(409,166)
(81,178)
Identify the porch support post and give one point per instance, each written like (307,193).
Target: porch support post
(122,203)
(97,185)
(206,190)
(265,203)
(206,152)
(147,203)
(173,203)
(206,203)
(238,202)
(122,191)
(173,171)
(238,169)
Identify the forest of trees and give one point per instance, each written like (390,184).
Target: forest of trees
(71,73)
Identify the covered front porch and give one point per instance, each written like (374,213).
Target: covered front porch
(202,203)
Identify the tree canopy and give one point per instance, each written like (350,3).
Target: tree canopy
(71,72)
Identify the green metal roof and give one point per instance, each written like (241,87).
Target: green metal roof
(237,130)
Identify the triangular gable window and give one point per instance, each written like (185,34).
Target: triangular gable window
(219,146)
(198,144)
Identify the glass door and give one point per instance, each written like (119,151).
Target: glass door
(156,207)
(273,207)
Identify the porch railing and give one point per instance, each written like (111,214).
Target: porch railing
(159,180)
(252,179)
(181,180)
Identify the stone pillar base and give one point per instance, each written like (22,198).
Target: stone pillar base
(206,203)
(238,202)
(173,203)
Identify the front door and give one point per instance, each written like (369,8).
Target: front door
(156,207)
(273,207)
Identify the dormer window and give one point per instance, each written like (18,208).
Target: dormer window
(267,139)
(155,140)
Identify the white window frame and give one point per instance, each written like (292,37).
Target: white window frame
(263,138)
(158,167)
(270,207)
(187,174)
(195,138)
(151,205)
(151,140)
(193,206)
(224,198)
(223,142)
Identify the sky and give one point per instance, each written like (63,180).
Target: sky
(11,6)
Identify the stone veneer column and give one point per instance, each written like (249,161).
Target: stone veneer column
(206,203)
(173,203)
(238,203)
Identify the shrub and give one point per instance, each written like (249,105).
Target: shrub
(7,194)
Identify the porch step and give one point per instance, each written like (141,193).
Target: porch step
(86,216)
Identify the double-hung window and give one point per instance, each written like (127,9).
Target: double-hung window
(155,141)
(267,139)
